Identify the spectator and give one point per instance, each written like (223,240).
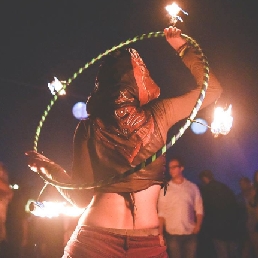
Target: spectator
(244,198)
(180,212)
(17,223)
(221,216)
(5,197)
(252,222)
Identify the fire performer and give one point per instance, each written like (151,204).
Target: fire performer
(127,124)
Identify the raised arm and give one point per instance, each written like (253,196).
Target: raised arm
(169,111)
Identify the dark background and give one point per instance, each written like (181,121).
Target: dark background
(44,38)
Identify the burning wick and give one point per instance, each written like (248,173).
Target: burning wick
(56,87)
(53,209)
(173,11)
(222,122)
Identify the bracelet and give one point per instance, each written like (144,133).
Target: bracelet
(182,49)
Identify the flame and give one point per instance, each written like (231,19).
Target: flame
(222,122)
(55,209)
(173,11)
(56,86)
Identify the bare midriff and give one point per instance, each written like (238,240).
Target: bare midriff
(109,210)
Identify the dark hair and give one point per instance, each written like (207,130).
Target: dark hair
(206,173)
(255,181)
(172,158)
(245,179)
(115,77)
(178,159)
(255,175)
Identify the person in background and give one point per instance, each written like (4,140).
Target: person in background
(255,185)
(127,123)
(180,212)
(221,215)
(6,195)
(252,210)
(17,222)
(247,220)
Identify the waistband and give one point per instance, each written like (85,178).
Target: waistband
(125,232)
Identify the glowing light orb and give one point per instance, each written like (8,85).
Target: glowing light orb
(199,126)
(79,111)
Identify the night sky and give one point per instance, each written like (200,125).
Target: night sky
(40,39)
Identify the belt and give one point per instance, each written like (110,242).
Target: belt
(126,232)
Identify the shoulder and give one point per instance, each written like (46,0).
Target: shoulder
(191,184)
(170,185)
(221,186)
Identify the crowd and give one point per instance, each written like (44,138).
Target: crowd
(207,220)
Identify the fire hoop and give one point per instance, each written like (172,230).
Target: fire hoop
(161,151)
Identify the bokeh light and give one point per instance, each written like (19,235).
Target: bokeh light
(79,110)
(200,126)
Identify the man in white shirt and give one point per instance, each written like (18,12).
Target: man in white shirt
(180,212)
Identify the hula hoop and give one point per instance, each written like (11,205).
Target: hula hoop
(87,65)
(161,151)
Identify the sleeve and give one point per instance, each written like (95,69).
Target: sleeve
(82,169)
(169,111)
(198,203)
(160,204)
(81,165)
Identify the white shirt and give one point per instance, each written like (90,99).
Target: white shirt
(179,207)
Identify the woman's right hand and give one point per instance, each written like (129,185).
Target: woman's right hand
(173,37)
(41,164)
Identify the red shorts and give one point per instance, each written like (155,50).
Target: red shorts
(94,242)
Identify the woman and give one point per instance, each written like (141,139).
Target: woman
(121,219)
